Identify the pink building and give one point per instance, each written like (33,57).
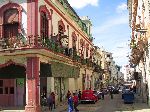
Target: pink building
(44,47)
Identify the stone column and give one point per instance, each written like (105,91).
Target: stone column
(50,84)
(32,85)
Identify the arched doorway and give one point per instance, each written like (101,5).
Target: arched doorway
(12,85)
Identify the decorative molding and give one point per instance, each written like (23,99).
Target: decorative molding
(45,10)
(60,22)
(6,7)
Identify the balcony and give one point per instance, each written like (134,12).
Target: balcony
(138,46)
(48,45)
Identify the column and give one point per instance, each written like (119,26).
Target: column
(32,85)
(50,84)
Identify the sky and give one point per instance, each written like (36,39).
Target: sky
(110,28)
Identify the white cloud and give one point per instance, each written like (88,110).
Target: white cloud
(121,8)
(78,4)
(110,24)
(112,35)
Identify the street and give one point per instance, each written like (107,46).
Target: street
(113,105)
(107,105)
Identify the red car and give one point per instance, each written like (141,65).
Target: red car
(88,96)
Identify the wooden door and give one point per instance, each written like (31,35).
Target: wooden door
(7,91)
(10,34)
(10,30)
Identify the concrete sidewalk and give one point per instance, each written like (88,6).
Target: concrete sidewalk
(61,107)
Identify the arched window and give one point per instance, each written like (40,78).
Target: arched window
(82,43)
(10,20)
(74,39)
(87,50)
(91,53)
(11,23)
(44,25)
(61,30)
(44,21)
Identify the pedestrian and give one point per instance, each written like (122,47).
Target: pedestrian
(68,94)
(53,96)
(44,98)
(75,102)
(50,102)
(111,93)
(70,103)
(134,89)
(76,92)
(79,95)
(103,94)
(43,95)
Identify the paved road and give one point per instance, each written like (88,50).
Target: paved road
(107,105)
(114,105)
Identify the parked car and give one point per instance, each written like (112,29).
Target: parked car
(88,96)
(115,90)
(98,94)
(126,88)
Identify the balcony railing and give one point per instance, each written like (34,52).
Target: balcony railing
(50,43)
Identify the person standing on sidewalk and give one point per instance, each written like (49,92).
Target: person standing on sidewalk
(75,101)
(68,94)
(111,93)
(103,95)
(79,95)
(53,96)
(70,103)
(50,102)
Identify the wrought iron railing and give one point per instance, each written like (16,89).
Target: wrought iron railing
(50,43)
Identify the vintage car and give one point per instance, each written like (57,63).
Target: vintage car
(88,96)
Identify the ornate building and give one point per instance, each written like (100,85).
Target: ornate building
(139,21)
(98,71)
(44,47)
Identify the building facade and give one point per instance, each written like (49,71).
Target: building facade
(139,21)
(98,71)
(44,47)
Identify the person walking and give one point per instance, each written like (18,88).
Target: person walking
(103,95)
(111,93)
(75,101)
(79,95)
(50,102)
(76,92)
(70,103)
(53,103)
(68,94)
